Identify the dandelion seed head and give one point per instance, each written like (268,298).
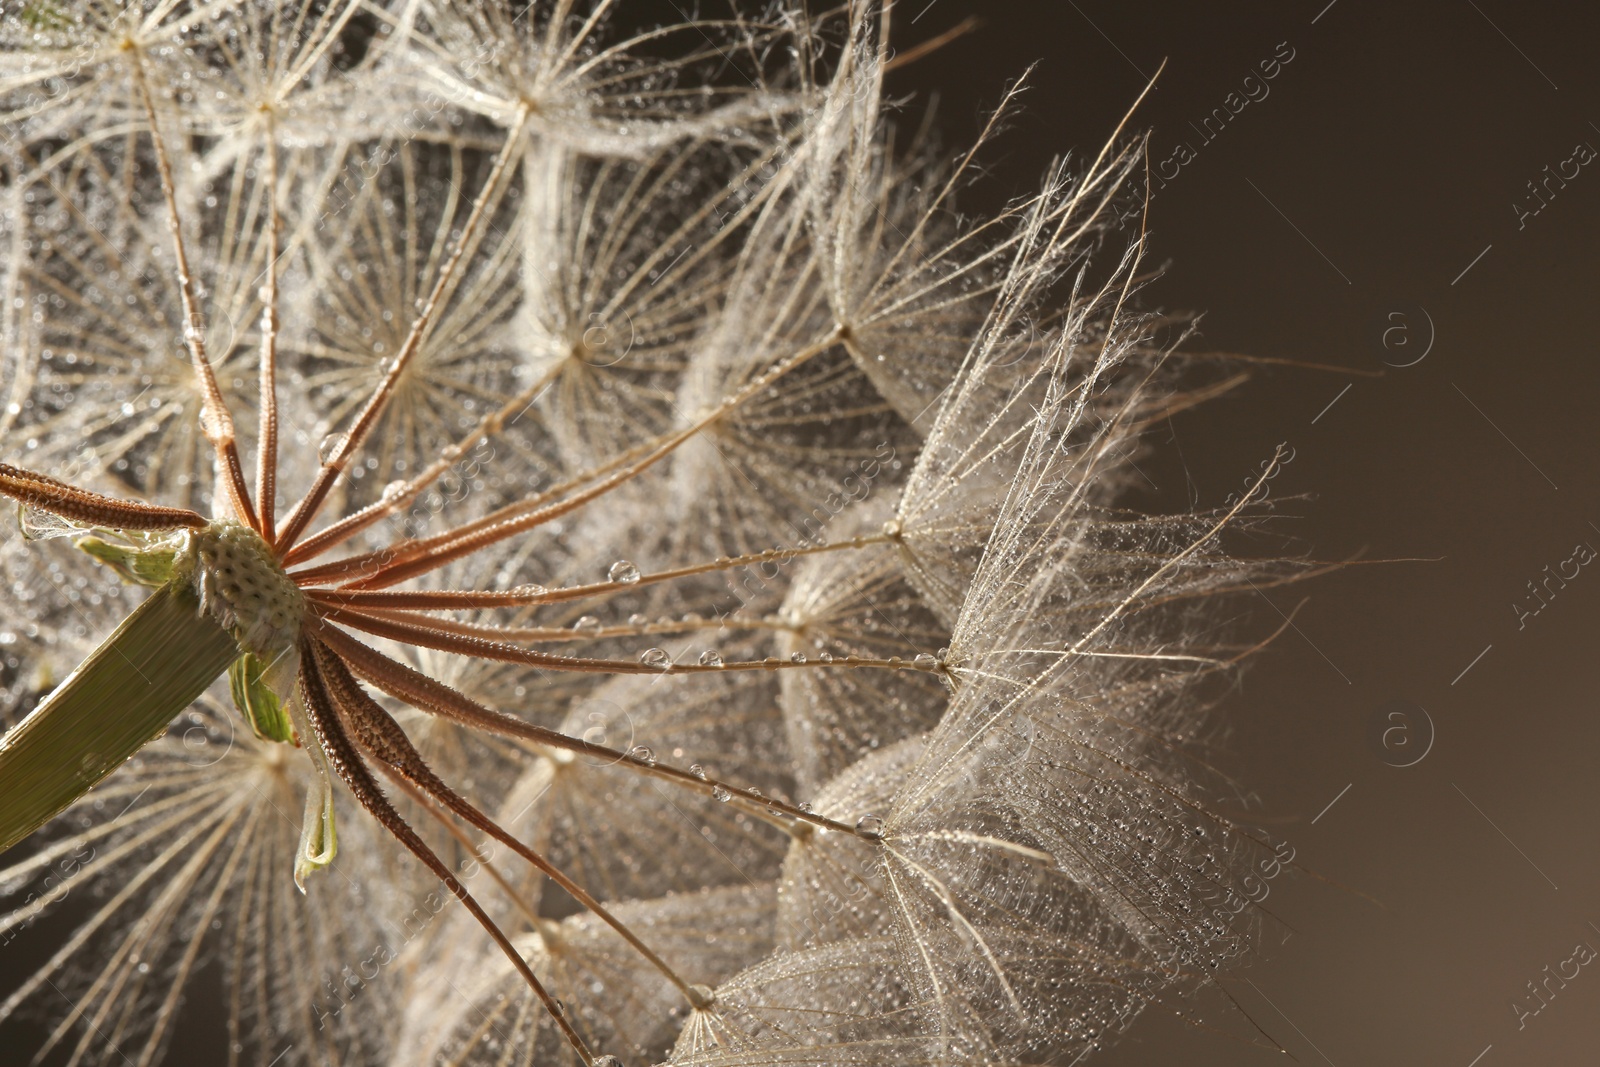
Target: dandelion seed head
(703,551)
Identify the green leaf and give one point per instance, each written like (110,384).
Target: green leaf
(257,702)
(121,698)
(318,840)
(142,566)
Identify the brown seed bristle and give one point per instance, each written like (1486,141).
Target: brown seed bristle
(93,509)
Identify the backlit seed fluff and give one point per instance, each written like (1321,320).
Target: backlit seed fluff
(690,556)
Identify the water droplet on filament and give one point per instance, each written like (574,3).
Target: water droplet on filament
(329,446)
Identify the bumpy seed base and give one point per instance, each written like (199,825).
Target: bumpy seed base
(242,586)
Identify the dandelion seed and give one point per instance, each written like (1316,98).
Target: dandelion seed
(516,301)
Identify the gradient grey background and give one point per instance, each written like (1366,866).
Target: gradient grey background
(1385,159)
(1384,162)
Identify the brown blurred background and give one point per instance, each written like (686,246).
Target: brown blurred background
(1370,187)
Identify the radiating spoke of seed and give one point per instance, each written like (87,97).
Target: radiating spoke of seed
(568,634)
(80,505)
(352,439)
(216,420)
(367,564)
(417,630)
(267,441)
(467,599)
(378,733)
(341,531)
(347,763)
(434,697)
(408,561)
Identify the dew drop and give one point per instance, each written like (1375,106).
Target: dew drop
(797,657)
(607,1061)
(587,624)
(623,571)
(826,657)
(529,590)
(329,445)
(869,826)
(720,795)
(924,662)
(655,657)
(642,754)
(637,619)
(394,489)
(711,658)
(698,771)
(892,528)
(805,806)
